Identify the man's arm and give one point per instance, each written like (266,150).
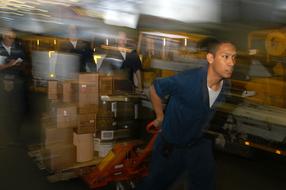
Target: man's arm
(157,106)
(11,63)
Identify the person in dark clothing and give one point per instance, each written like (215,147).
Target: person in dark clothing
(193,97)
(12,87)
(75,46)
(122,58)
(12,55)
(134,65)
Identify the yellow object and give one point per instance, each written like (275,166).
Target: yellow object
(148,78)
(278,152)
(278,69)
(167,73)
(96,57)
(268,91)
(275,43)
(110,156)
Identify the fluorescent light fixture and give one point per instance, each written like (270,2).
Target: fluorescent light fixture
(183,10)
(166,35)
(120,18)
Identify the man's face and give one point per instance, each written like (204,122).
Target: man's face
(72,32)
(9,38)
(223,61)
(121,39)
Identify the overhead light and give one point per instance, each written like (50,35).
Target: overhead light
(120,18)
(167,35)
(50,53)
(183,10)
(278,152)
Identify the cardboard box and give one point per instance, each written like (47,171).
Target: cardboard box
(88,77)
(86,124)
(85,130)
(86,120)
(53,90)
(87,99)
(105,85)
(87,109)
(59,156)
(84,146)
(86,88)
(53,135)
(67,93)
(85,93)
(65,115)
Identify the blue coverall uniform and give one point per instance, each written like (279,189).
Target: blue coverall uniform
(181,145)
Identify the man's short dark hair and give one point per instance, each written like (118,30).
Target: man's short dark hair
(210,45)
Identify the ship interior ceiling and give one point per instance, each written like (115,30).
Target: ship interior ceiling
(40,121)
(230,14)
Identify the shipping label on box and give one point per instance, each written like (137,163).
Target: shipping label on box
(66,115)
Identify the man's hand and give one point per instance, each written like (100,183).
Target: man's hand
(19,61)
(12,63)
(158,122)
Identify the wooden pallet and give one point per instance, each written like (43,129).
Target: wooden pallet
(74,171)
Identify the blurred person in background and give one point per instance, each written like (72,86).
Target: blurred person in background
(12,55)
(125,57)
(12,86)
(181,145)
(79,47)
(133,64)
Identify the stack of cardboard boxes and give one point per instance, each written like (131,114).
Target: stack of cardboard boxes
(57,126)
(79,122)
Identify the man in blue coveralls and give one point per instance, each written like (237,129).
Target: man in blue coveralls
(193,96)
